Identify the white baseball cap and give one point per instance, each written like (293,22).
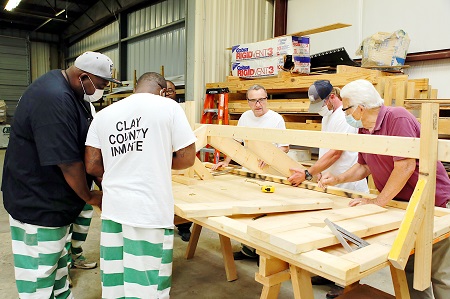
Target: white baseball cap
(97,64)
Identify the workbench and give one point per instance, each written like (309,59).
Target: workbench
(292,240)
(292,245)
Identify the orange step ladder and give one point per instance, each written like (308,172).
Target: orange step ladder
(216,103)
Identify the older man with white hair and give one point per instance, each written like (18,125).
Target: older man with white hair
(394,177)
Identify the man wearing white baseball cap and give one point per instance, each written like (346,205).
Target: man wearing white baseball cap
(45,185)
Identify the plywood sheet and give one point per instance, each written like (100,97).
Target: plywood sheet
(313,237)
(230,195)
(265,227)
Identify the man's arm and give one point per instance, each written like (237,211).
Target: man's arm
(94,161)
(403,169)
(323,163)
(75,175)
(184,157)
(355,173)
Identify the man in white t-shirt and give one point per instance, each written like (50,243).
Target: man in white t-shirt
(325,100)
(133,145)
(258,117)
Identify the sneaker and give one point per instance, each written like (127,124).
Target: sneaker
(81,263)
(70,281)
(185,235)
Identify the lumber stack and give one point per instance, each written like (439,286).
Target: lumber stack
(288,93)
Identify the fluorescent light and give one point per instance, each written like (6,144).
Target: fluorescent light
(12,4)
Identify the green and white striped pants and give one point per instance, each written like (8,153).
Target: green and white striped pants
(40,260)
(135,262)
(78,233)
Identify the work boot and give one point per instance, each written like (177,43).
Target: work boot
(334,292)
(319,280)
(81,263)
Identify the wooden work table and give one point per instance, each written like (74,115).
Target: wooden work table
(292,245)
(296,243)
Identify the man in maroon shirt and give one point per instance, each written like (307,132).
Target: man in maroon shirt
(394,177)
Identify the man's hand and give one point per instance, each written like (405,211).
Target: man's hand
(261,163)
(218,165)
(363,201)
(95,198)
(327,179)
(297,177)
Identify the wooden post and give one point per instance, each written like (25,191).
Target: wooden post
(427,171)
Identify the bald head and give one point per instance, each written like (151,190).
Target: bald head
(151,82)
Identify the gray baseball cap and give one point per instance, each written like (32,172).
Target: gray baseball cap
(317,93)
(97,64)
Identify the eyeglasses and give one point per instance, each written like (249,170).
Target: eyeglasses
(345,109)
(170,91)
(255,101)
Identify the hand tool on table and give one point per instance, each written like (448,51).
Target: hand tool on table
(264,188)
(342,235)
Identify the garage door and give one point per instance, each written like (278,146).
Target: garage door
(14,71)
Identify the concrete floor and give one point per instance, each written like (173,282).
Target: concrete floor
(202,277)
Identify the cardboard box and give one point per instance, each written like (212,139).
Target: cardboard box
(270,66)
(4,135)
(384,49)
(290,45)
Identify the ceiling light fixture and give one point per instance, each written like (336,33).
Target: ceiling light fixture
(12,4)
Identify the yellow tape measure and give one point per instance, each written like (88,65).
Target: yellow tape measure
(267,189)
(264,188)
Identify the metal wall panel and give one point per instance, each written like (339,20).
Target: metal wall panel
(155,16)
(161,42)
(228,23)
(102,38)
(40,59)
(166,48)
(14,70)
(164,45)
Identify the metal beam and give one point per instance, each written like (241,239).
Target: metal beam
(35,14)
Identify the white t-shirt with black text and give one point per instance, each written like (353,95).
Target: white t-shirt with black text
(137,136)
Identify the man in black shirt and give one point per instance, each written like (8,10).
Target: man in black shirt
(45,185)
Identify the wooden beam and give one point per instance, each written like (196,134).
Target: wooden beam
(301,283)
(227,253)
(396,146)
(404,242)
(294,83)
(321,29)
(237,152)
(400,284)
(273,156)
(427,170)
(201,141)
(201,171)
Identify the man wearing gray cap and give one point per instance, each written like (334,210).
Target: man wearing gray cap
(325,100)
(45,186)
